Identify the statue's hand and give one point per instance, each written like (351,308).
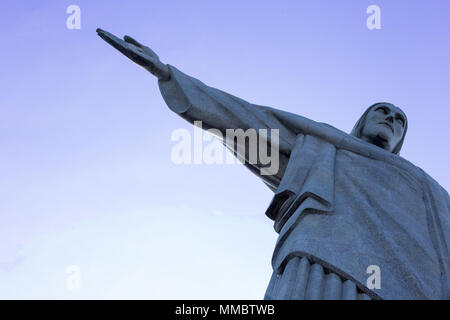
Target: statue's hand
(142,55)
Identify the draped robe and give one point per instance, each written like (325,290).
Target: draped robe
(338,200)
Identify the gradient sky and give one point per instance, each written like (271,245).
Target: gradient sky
(86,177)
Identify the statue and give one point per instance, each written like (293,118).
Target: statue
(344,204)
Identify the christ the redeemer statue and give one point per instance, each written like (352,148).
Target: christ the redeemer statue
(344,204)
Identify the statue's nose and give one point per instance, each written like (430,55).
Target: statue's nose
(390,119)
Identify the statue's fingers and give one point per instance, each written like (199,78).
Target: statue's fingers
(141,58)
(150,52)
(114,41)
(107,35)
(141,46)
(132,41)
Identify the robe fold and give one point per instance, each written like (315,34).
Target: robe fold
(339,201)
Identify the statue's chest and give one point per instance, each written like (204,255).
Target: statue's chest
(376,188)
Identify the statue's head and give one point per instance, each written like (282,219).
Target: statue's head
(383,125)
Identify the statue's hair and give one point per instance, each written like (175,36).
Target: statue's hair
(357,129)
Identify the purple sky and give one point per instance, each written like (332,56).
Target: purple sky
(86,174)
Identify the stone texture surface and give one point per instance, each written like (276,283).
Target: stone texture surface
(342,202)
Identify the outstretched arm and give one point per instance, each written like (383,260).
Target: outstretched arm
(193,101)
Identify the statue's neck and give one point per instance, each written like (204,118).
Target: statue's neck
(378,141)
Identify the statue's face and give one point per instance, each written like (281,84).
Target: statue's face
(384,126)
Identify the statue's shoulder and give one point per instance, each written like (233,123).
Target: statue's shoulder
(433,185)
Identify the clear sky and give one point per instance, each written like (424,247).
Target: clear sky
(86,177)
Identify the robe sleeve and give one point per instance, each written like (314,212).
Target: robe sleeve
(194,101)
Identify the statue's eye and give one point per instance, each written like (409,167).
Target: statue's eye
(400,120)
(382,109)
